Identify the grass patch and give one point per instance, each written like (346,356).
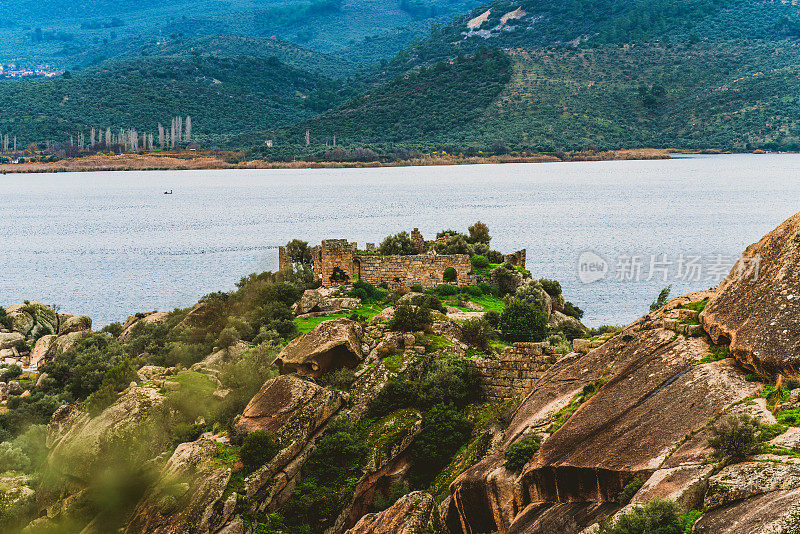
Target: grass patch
(194,382)
(563,415)
(690,320)
(433,343)
(789,417)
(717,353)
(393,362)
(226,456)
(696,306)
(368,311)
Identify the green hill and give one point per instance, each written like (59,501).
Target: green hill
(607,74)
(223,95)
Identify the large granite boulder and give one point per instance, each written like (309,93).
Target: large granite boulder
(68,342)
(81,445)
(32,318)
(331,345)
(12,340)
(757,310)
(189,496)
(76,323)
(767,513)
(640,406)
(321,301)
(295,411)
(415,513)
(289,406)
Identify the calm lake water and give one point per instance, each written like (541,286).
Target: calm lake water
(110,244)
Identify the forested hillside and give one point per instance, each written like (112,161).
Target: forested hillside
(223,95)
(72,34)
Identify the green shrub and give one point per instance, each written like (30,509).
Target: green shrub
(734,439)
(573,311)
(495,257)
(523,321)
(428,301)
(493,318)
(472,291)
(655,517)
(364,291)
(571,331)
(630,489)
(409,318)
(10,373)
(520,452)
(479,233)
(115,380)
(457,244)
(186,432)
(417,288)
(340,379)
(12,458)
(661,300)
(477,332)
(446,290)
(397,245)
(445,429)
(507,280)
(479,262)
(113,329)
(552,287)
(449,275)
(258,448)
(489,289)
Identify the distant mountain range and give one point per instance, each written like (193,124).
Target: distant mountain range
(527,75)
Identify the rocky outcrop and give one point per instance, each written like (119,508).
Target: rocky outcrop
(321,302)
(12,340)
(41,350)
(188,497)
(415,513)
(76,323)
(289,406)
(768,513)
(651,394)
(757,309)
(331,345)
(295,411)
(80,444)
(153,317)
(33,319)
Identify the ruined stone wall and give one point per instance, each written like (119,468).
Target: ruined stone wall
(331,254)
(284,263)
(406,271)
(515,371)
(518,258)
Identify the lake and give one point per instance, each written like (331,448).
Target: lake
(109,244)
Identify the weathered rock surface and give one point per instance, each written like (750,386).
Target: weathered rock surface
(742,481)
(761,317)
(331,345)
(295,411)
(320,301)
(76,323)
(289,406)
(32,319)
(12,340)
(652,395)
(767,513)
(415,513)
(79,444)
(68,342)
(187,498)
(42,349)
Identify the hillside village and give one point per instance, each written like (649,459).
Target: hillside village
(304,401)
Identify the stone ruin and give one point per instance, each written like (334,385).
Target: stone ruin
(339,262)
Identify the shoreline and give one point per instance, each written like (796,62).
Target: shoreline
(221,161)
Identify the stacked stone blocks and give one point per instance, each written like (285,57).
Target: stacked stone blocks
(515,371)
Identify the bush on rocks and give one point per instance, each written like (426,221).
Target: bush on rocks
(523,321)
(655,517)
(735,439)
(519,453)
(258,448)
(409,318)
(478,333)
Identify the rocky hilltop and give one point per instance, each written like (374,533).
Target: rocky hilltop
(355,410)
